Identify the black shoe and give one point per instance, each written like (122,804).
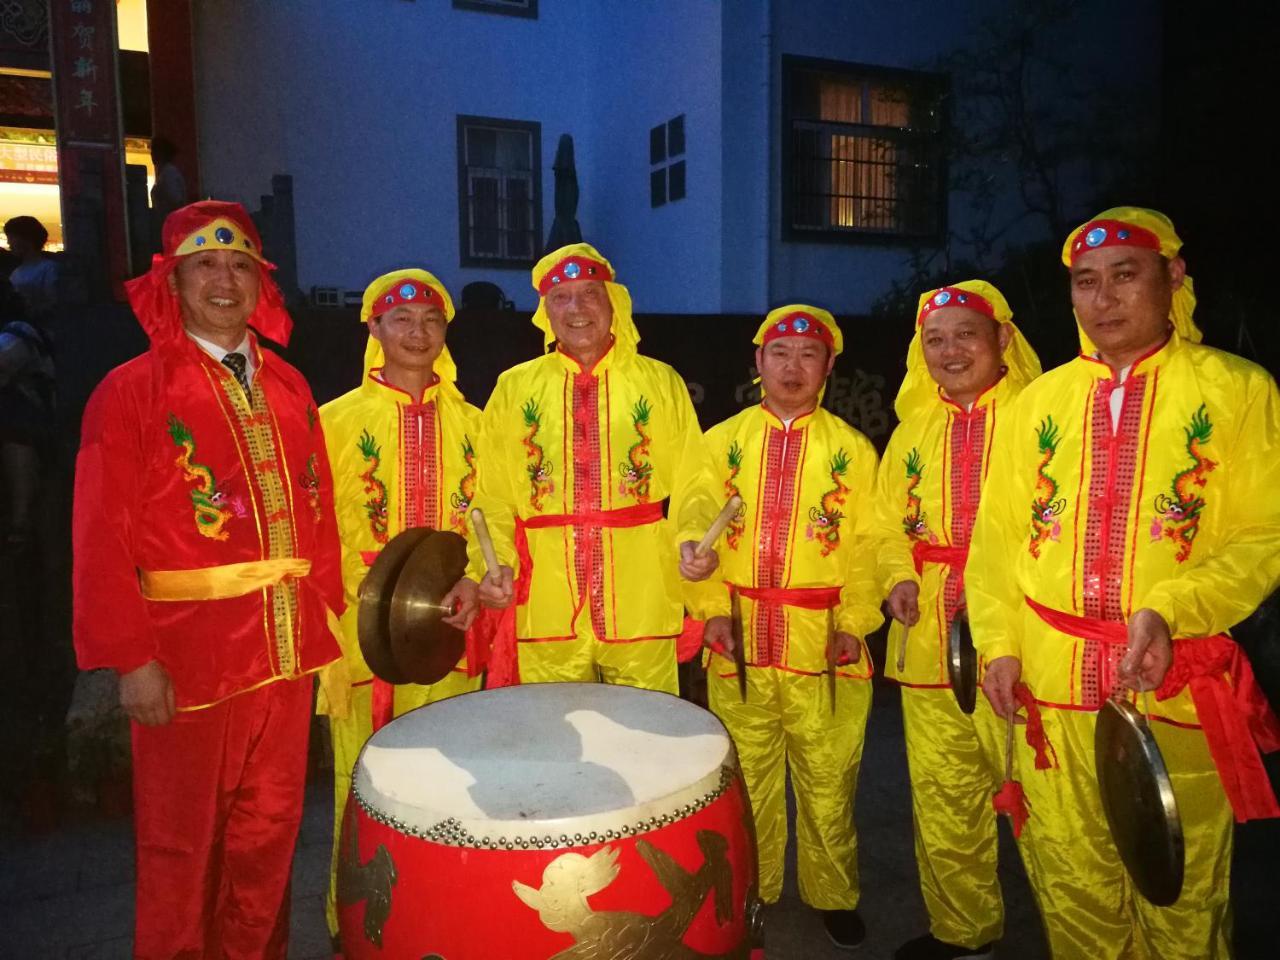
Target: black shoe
(930,947)
(844,928)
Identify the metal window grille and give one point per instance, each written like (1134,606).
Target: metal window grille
(865,157)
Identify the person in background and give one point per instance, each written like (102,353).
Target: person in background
(35,278)
(169,191)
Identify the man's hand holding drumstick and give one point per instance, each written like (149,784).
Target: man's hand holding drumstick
(498,588)
(698,560)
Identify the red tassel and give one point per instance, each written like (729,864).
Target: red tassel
(689,643)
(1037,739)
(1011,802)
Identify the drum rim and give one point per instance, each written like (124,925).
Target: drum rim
(551,833)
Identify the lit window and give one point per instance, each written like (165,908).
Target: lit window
(863,152)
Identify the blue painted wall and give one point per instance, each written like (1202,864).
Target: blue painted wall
(358,100)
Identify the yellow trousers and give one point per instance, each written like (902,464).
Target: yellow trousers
(788,720)
(349,735)
(956,763)
(1090,908)
(647,664)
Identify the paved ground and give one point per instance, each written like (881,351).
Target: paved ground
(68,895)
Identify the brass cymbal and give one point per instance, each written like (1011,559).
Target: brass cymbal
(962,663)
(424,647)
(373,621)
(1137,796)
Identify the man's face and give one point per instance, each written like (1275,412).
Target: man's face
(411,334)
(581,317)
(962,349)
(792,371)
(1122,297)
(217,291)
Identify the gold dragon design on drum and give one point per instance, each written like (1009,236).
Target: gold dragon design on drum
(568,880)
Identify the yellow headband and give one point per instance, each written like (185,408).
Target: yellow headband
(625,334)
(445,368)
(919,391)
(219,234)
(1182,310)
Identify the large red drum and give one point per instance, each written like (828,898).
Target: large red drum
(565,820)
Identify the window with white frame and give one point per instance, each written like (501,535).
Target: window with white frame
(499,191)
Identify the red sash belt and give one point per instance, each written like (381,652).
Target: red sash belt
(504,663)
(1236,718)
(806,598)
(953,557)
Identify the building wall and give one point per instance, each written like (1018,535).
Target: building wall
(1103,44)
(358,99)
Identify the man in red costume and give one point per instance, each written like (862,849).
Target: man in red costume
(207,576)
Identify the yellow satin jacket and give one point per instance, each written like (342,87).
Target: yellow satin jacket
(1174,509)
(805,523)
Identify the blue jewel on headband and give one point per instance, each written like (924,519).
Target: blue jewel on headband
(1122,234)
(223,235)
(942,299)
(962,298)
(1095,236)
(782,327)
(571,271)
(408,292)
(200,241)
(800,325)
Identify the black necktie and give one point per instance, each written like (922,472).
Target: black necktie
(237,363)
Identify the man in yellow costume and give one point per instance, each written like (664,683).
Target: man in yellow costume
(1129,519)
(578,450)
(798,571)
(966,363)
(401,449)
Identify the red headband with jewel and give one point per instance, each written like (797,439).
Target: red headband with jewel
(406,291)
(1112,233)
(799,325)
(573,268)
(956,297)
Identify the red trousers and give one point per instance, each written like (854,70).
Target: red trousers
(217,803)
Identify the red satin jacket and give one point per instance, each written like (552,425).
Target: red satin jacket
(179,471)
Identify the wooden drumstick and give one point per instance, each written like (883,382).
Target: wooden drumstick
(902,650)
(486,542)
(1008,749)
(729,511)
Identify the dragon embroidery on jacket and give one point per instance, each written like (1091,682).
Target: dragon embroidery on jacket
(462,497)
(539,467)
(915,522)
(212,509)
(733,533)
(824,520)
(1178,516)
(636,470)
(375,507)
(1047,507)
(309,480)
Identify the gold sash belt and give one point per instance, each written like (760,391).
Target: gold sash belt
(239,579)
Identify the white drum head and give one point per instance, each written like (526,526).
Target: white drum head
(543,765)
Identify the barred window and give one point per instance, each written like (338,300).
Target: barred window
(499,191)
(863,153)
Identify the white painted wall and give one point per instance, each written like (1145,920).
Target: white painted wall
(358,99)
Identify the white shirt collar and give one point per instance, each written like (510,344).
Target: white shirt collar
(218,352)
